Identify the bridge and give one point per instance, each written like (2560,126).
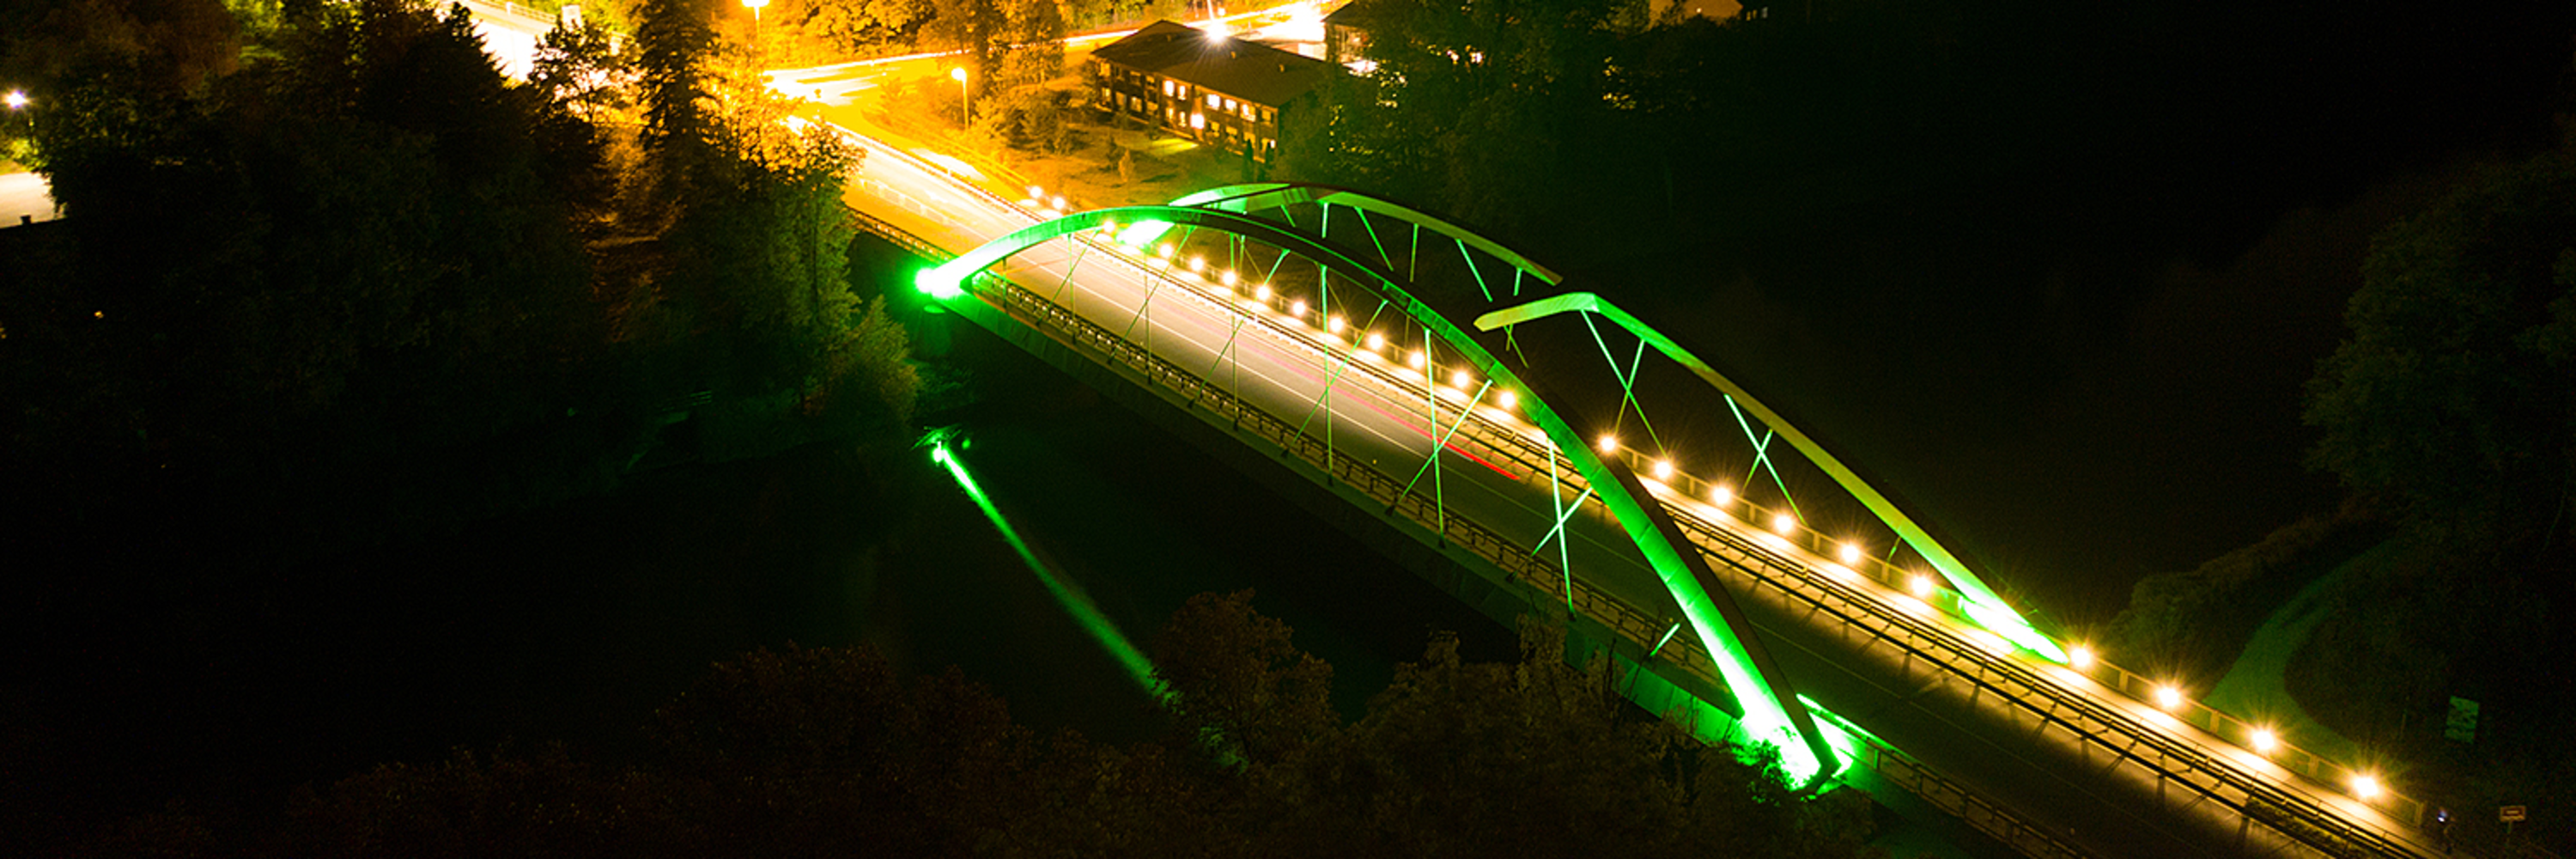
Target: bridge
(1313,336)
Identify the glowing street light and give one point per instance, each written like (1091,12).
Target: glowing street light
(1608,443)
(2080,657)
(1376,341)
(1459,380)
(1782,524)
(965,108)
(1507,400)
(1721,496)
(1921,585)
(2264,741)
(2365,786)
(2168,697)
(1851,553)
(16,99)
(1414,359)
(1663,469)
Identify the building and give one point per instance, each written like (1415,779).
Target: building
(1346,35)
(1218,90)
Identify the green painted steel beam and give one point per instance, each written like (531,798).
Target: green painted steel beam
(1984,606)
(1255,196)
(1771,712)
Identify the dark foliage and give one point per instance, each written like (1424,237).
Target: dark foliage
(828,752)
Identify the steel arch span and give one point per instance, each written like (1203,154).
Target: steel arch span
(1981,603)
(1771,710)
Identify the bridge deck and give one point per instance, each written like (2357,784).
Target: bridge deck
(2104,775)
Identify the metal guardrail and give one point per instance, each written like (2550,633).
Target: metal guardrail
(2049,703)
(2261,801)
(1977,811)
(2218,723)
(1519,564)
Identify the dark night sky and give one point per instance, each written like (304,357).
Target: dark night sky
(2075,332)
(2074,340)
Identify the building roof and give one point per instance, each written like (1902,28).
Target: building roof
(1357,13)
(1246,70)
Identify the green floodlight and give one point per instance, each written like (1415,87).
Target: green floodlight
(939,284)
(1754,679)
(1087,615)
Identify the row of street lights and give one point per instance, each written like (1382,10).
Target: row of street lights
(2263,741)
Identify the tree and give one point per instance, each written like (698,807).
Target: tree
(1238,685)
(2450,397)
(827,752)
(1541,758)
(582,70)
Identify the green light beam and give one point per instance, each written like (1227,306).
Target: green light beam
(1085,614)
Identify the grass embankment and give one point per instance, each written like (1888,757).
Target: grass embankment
(2193,625)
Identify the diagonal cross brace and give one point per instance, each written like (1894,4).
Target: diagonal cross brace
(1988,608)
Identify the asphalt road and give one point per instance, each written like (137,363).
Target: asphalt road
(24,197)
(1283,358)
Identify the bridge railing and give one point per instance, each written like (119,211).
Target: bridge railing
(2218,723)
(1977,811)
(2049,704)
(2090,722)
(1521,566)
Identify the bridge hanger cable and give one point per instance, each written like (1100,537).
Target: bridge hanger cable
(1442,442)
(1756,681)
(1762,458)
(1627,385)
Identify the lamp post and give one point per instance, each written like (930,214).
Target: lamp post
(16,99)
(754,6)
(965,109)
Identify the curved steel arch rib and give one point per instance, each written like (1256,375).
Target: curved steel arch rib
(1771,709)
(1984,606)
(1254,196)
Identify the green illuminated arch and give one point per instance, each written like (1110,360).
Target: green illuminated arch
(1250,197)
(1771,711)
(1983,605)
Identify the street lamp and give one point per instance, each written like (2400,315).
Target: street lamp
(965,111)
(754,6)
(17,98)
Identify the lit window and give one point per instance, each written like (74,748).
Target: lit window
(1167,86)
(1198,120)
(1212,99)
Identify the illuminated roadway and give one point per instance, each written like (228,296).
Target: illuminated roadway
(2096,770)
(2085,768)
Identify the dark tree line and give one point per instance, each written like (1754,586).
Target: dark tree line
(1906,139)
(351,262)
(2451,409)
(829,752)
